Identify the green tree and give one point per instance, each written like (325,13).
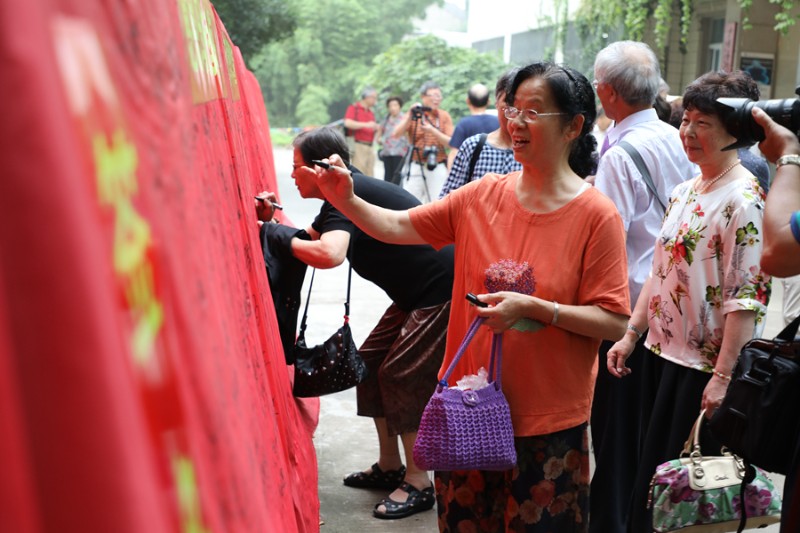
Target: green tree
(251,24)
(332,47)
(403,68)
(313,105)
(597,19)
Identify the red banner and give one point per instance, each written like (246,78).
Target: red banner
(142,382)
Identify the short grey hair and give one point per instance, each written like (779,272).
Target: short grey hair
(632,69)
(368,91)
(427,86)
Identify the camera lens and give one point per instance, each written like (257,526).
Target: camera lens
(737,117)
(430,154)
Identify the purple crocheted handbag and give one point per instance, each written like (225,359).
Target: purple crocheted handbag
(467,429)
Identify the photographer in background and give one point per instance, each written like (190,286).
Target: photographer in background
(429,129)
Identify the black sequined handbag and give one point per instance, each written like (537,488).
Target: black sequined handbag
(332,366)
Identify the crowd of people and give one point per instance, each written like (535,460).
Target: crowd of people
(647,258)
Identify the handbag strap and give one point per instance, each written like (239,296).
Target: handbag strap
(346,303)
(789,332)
(494,366)
(305,310)
(692,446)
(475,155)
(639,162)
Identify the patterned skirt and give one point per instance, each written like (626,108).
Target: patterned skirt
(548,491)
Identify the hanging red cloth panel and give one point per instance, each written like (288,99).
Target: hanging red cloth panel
(142,383)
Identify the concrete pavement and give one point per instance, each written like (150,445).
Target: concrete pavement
(346,442)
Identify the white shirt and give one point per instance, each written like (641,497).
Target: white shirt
(660,146)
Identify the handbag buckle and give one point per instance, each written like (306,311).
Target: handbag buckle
(470,398)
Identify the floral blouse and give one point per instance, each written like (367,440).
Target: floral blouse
(393,145)
(706,265)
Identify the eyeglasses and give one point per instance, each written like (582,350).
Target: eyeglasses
(595,84)
(435,96)
(528,115)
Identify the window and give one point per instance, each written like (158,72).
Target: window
(716,37)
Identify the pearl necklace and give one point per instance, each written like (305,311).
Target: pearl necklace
(707,184)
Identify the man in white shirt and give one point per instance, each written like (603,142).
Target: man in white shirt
(627,78)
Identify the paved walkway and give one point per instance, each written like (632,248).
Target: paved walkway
(346,442)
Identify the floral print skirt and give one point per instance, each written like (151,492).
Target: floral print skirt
(548,491)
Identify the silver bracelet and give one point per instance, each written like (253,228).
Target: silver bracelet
(634,329)
(555,313)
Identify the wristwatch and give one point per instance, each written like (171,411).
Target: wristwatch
(791,159)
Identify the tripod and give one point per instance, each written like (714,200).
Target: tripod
(415,153)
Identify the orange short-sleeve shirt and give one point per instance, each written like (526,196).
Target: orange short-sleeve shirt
(578,257)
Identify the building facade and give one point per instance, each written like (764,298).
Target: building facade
(717,40)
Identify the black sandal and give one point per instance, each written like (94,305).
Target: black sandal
(417,501)
(377,479)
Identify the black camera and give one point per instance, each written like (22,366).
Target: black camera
(418,110)
(737,117)
(430,153)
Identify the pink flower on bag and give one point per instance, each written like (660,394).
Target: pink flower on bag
(755,500)
(508,275)
(706,511)
(678,481)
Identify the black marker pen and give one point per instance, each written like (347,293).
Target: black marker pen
(274,204)
(321,164)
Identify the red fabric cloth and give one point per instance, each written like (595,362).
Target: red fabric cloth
(142,382)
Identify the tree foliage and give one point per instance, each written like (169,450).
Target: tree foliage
(251,24)
(331,51)
(784,19)
(597,19)
(402,69)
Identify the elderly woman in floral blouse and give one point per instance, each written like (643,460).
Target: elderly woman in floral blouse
(706,295)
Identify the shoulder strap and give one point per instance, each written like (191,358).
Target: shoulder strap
(790,331)
(346,303)
(639,162)
(305,311)
(475,154)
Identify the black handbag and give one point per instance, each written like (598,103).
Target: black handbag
(759,418)
(332,366)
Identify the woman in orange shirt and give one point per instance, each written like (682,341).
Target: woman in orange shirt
(567,241)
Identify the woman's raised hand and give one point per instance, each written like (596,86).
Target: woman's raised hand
(335,182)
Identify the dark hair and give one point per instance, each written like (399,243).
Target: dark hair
(321,143)
(676,112)
(478,95)
(574,96)
(663,109)
(504,83)
(702,93)
(395,99)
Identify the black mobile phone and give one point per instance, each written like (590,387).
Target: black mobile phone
(322,164)
(471,298)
